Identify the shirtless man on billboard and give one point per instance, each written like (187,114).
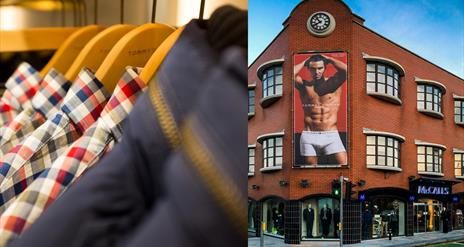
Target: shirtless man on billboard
(320,100)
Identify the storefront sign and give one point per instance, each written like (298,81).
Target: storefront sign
(432,190)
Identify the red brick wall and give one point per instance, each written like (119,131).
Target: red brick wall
(365,111)
(269,120)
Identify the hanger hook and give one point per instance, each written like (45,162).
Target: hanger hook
(84,9)
(63,13)
(95,14)
(153,12)
(122,12)
(202,9)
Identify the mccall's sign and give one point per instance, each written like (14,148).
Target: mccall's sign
(432,190)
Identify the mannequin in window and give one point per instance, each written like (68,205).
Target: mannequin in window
(336,219)
(326,219)
(275,220)
(308,217)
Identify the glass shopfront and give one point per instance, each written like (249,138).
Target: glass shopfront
(427,215)
(319,218)
(458,212)
(252,217)
(273,216)
(383,215)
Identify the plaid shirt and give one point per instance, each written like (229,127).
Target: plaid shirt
(82,154)
(80,109)
(20,88)
(45,103)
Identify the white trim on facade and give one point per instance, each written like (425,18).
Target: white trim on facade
(386,97)
(423,143)
(430,82)
(271,168)
(269,135)
(431,113)
(458,97)
(438,174)
(267,64)
(367,131)
(395,64)
(389,168)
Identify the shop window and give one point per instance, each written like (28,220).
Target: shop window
(272,152)
(253,219)
(381,215)
(459,165)
(459,111)
(383,152)
(273,216)
(251,160)
(319,218)
(272,84)
(383,81)
(429,160)
(251,102)
(429,99)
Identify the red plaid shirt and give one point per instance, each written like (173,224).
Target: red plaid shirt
(20,88)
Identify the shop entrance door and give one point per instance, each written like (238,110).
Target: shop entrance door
(427,216)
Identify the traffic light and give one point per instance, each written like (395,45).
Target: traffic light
(336,188)
(349,191)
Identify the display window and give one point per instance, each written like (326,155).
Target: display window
(319,218)
(252,217)
(383,216)
(273,216)
(427,215)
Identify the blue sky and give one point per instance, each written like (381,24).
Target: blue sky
(432,29)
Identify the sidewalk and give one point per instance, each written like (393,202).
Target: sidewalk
(419,239)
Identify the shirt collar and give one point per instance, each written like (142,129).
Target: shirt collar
(53,89)
(23,85)
(85,100)
(122,101)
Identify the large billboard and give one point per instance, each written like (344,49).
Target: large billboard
(320,117)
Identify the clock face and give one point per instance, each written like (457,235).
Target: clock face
(320,22)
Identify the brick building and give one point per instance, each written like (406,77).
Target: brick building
(404,136)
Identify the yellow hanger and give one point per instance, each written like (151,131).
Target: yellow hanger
(153,64)
(32,39)
(97,49)
(134,49)
(69,50)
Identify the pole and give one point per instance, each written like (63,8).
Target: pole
(341,211)
(261,239)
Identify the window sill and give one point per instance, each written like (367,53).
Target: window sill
(431,113)
(267,101)
(269,169)
(386,97)
(319,166)
(460,177)
(388,168)
(251,174)
(251,114)
(460,124)
(431,174)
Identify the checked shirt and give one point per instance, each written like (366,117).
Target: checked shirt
(80,109)
(86,151)
(45,104)
(20,88)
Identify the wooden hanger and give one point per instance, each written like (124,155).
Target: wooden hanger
(134,49)
(68,51)
(32,39)
(97,49)
(153,64)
